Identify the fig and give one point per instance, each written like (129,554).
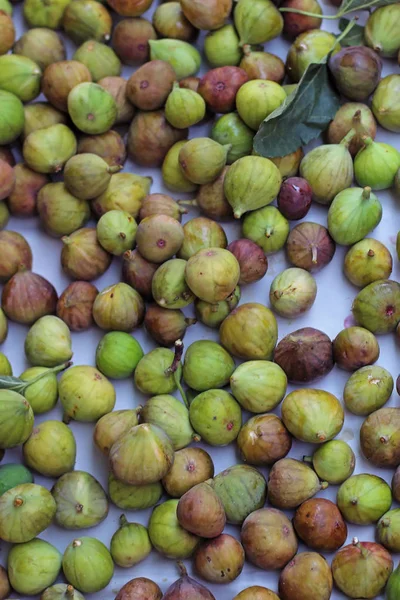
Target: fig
(356,71)
(257,21)
(172,173)
(41,45)
(80,499)
(61,591)
(118,354)
(116,86)
(252,261)
(191,466)
(148,88)
(216,417)
(208,15)
(82,257)
(161,204)
(170,22)
(307,575)
(392,588)
(256,592)
(87,565)
(221,47)
(262,65)
(109,146)
(124,192)
(110,427)
(159,371)
(186,587)
(395,485)
(202,160)
(92,109)
(367,261)
(267,227)
(334,461)
(12,117)
(294,198)
(381,32)
(150,137)
(309,47)
(60,212)
(170,415)
(85,394)
(116,231)
(166,325)
(86,21)
(219,88)
(361,569)
(387,530)
(27,296)
(263,440)
(207,365)
(159,237)
(258,385)
(212,314)
(169,288)
(378,438)
(139,588)
(258,332)
(376,164)
(268,539)
(201,512)
(385,103)
(100,60)
(292,292)
(20,76)
(39,13)
(184,58)
(86,176)
(319,524)
(211,198)
(15,253)
(4,215)
(60,78)
(75,305)
(3,326)
(309,246)
(25,511)
(33,566)
(138,273)
(130,544)
(263,97)
(5,365)
(354,205)
(118,308)
(131,38)
(212,274)
(167,535)
(294,24)
(16,419)
(133,497)
(5,588)
(355,347)
(47,150)
(184,107)
(364,498)
(313,416)
(190,83)
(7,179)
(48,342)
(220,560)
(231,130)
(50,449)
(7,32)
(6,154)
(291,482)
(377,306)
(352,115)
(368,389)
(42,393)
(23,198)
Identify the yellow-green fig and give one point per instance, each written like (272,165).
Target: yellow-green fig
(172,173)
(5,365)
(41,45)
(101,60)
(257,21)
(212,274)
(221,47)
(250,332)
(309,47)
(92,109)
(87,565)
(133,497)
(25,511)
(172,416)
(33,566)
(377,306)
(80,499)
(40,115)
(159,371)
(381,32)
(87,20)
(118,308)
(110,427)
(130,544)
(202,160)
(182,56)
(16,419)
(376,165)
(364,498)
(116,231)
(353,213)
(257,99)
(47,150)
(386,103)
(60,212)
(167,535)
(125,191)
(20,76)
(184,107)
(216,416)
(258,385)
(41,13)
(87,175)
(11,117)
(85,394)
(50,449)
(48,342)
(42,395)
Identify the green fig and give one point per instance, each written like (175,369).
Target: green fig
(216,416)
(110,427)
(172,417)
(33,566)
(267,227)
(118,308)
(242,490)
(47,150)
(207,365)
(20,76)
(212,274)
(367,261)
(191,466)
(212,314)
(41,13)
(387,530)
(182,56)
(16,419)
(118,354)
(5,365)
(257,99)
(92,109)
(130,544)
(42,394)
(258,385)
(231,130)
(12,475)
(385,103)
(250,332)
(41,115)
(255,173)
(291,482)
(6,7)
(172,173)
(364,498)
(257,21)
(50,449)
(393,585)
(201,159)
(167,535)
(87,565)
(169,287)
(133,497)
(48,342)
(101,60)
(309,47)
(353,213)
(116,231)
(11,117)
(334,461)
(25,511)
(60,212)
(292,292)
(381,32)
(87,175)
(41,45)
(221,47)
(3,326)
(81,501)
(367,390)
(85,394)
(376,165)
(86,20)
(154,448)
(124,192)
(377,306)
(159,371)
(184,108)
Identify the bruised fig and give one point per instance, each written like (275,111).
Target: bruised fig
(109,146)
(320,525)
(252,261)
(191,466)
(377,306)
(379,437)
(166,325)
(187,588)
(148,88)
(139,588)
(292,292)
(220,86)
(167,535)
(291,482)
(352,115)
(220,560)
(27,296)
(367,261)
(355,347)
(138,272)
(263,440)
(364,498)
(82,257)
(309,246)
(305,355)
(60,78)
(161,204)
(262,65)
(15,253)
(361,569)
(201,233)
(23,197)
(75,305)
(294,198)
(308,576)
(80,499)
(268,539)
(201,512)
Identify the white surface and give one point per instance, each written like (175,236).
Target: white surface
(329,312)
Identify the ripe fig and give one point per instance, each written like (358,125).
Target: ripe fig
(116,86)
(118,308)
(138,272)
(85,394)
(110,427)
(363,499)
(27,296)
(252,261)
(219,88)
(159,237)
(263,96)
(257,21)
(352,115)
(367,261)
(23,198)
(172,416)
(82,257)
(191,466)
(75,305)
(212,274)
(159,371)
(87,175)
(207,365)
(173,176)
(381,32)
(186,587)
(221,47)
(231,130)
(182,56)
(213,315)
(377,306)
(148,88)
(268,539)
(101,60)
(124,192)
(220,560)
(262,65)
(292,292)
(294,24)
(309,47)
(48,342)
(202,160)
(109,146)
(25,511)
(165,325)
(320,525)
(87,565)
(256,592)
(60,78)
(216,417)
(16,419)
(355,347)
(308,575)
(41,45)
(267,227)
(201,233)
(60,212)
(169,287)
(208,15)
(201,512)
(309,246)
(258,385)
(257,328)
(376,165)
(80,499)
(385,103)
(138,589)
(356,71)
(33,566)
(15,252)
(133,497)
(167,535)
(169,21)
(378,438)
(387,530)
(47,150)
(333,462)
(50,449)
(294,198)
(211,198)
(291,482)
(86,21)
(161,204)
(368,389)
(263,440)
(184,107)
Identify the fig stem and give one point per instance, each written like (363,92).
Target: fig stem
(324,485)
(314,255)
(366,194)
(182,569)
(190,322)
(188,202)
(55,370)
(173,370)
(123,521)
(69,591)
(348,137)
(181,390)
(307,459)
(114,169)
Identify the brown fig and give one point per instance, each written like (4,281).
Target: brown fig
(262,65)
(159,237)
(15,253)
(191,466)
(27,296)
(309,246)
(208,14)
(5,588)
(7,155)
(59,78)
(186,588)
(291,482)
(138,272)
(7,32)
(268,538)
(294,24)
(139,588)
(396,485)
(355,347)
(201,512)
(356,71)
(150,137)
(307,576)
(161,204)
(166,325)
(109,146)
(22,199)
(252,261)
(256,592)
(319,523)
(149,86)
(220,560)
(190,83)
(130,40)
(219,87)
(7,177)
(82,257)
(263,440)
(75,305)
(380,437)
(170,22)
(211,199)
(116,86)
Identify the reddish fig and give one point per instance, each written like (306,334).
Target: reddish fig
(307,576)
(7,155)
(166,325)
(220,86)
(294,24)
(138,272)
(7,178)
(161,204)
(148,88)
(355,347)
(291,482)
(294,198)
(27,297)
(319,523)
(130,40)
(201,512)
(220,560)
(15,253)
(252,261)
(28,183)
(211,199)
(309,246)
(75,305)
(186,588)
(109,146)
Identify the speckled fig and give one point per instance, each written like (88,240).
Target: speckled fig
(216,417)
(320,525)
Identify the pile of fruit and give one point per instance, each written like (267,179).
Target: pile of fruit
(252,167)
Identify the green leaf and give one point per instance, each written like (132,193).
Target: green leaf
(349,6)
(355,37)
(302,117)
(12,383)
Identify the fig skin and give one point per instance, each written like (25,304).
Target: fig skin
(306,577)
(294,24)
(167,535)
(268,539)
(387,530)
(333,462)
(82,257)
(356,71)
(308,47)
(138,272)
(220,560)
(5,588)
(169,21)
(262,65)
(200,511)
(352,115)
(130,8)
(15,252)
(220,271)
(292,292)
(258,385)
(110,427)
(367,389)
(116,86)
(252,261)
(166,325)
(211,198)
(60,78)
(109,146)
(256,592)
(148,88)
(27,296)
(201,233)
(377,306)
(130,40)
(161,204)
(7,177)
(294,198)
(133,497)
(139,588)
(355,347)
(213,315)
(75,305)
(291,482)
(51,449)
(187,588)
(396,485)
(257,329)
(363,499)
(159,237)
(320,525)
(305,355)
(263,440)
(379,437)
(367,261)
(309,246)
(23,197)
(207,14)
(191,466)
(219,87)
